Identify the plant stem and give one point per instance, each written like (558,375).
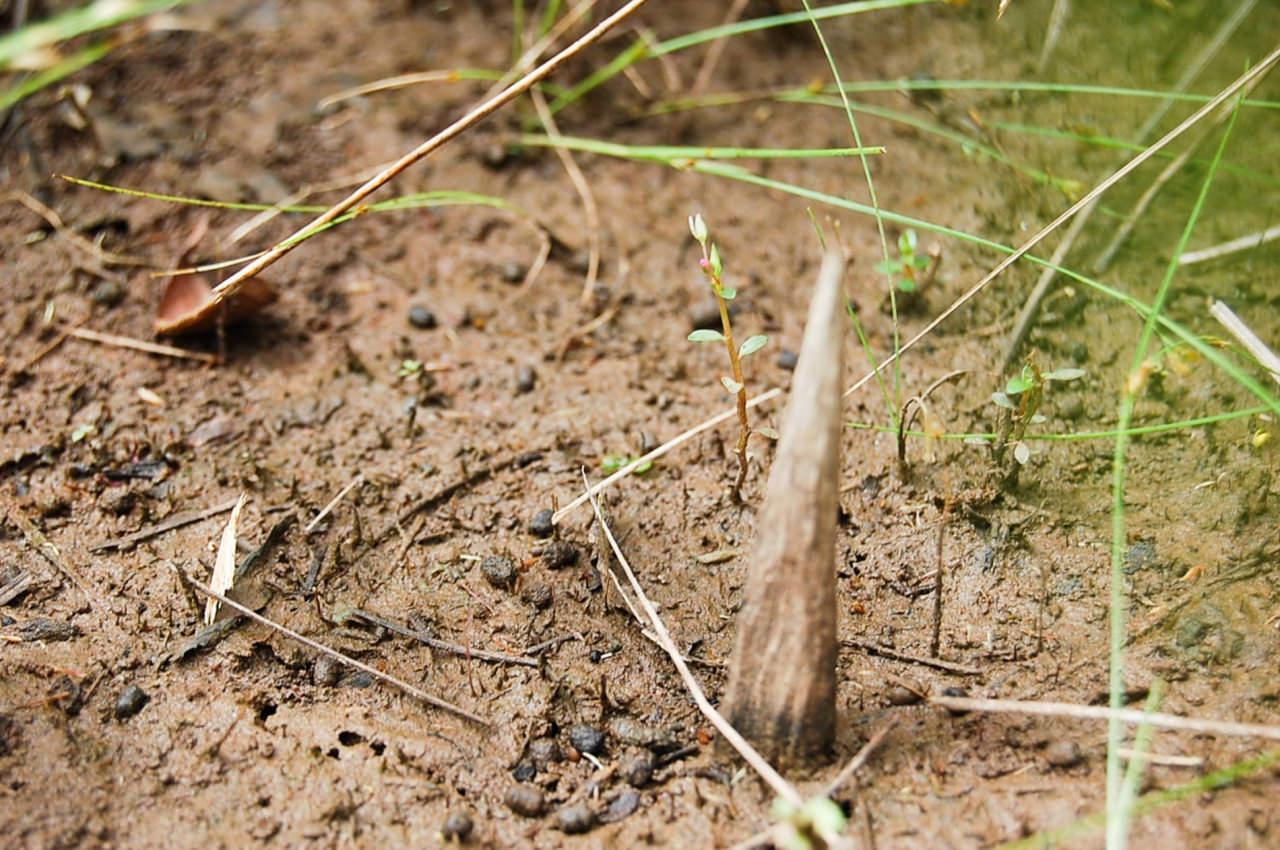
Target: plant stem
(744,427)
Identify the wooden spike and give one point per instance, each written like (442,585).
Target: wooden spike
(782,681)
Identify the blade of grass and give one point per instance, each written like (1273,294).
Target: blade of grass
(89,18)
(1074,436)
(674,154)
(1116,840)
(1118,828)
(893,402)
(59,71)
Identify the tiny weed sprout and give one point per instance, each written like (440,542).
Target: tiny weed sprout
(734,382)
(612,463)
(1020,405)
(813,825)
(409,368)
(908,269)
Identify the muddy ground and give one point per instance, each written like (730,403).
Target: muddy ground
(252,741)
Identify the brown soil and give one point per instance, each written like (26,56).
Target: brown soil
(254,742)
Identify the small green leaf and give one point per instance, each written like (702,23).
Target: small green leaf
(907,243)
(717,267)
(706,335)
(920,261)
(1003,401)
(642,468)
(767,433)
(888,266)
(1064,374)
(81,432)
(728,293)
(731,385)
(906,284)
(753,344)
(1018,385)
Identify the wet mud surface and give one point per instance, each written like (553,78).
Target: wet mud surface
(413,349)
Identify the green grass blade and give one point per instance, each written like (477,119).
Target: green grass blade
(892,401)
(60,70)
(89,18)
(679,155)
(1117,816)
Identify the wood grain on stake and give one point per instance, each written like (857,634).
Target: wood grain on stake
(782,682)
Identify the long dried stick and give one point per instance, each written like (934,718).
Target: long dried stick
(1097,712)
(772,778)
(412,691)
(232,284)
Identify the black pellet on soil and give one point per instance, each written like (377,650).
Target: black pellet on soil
(559,554)
(526,379)
(637,768)
(422,318)
(499,572)
(457,827)
(959,693)
(541,524)
(787,359)
(624,805)
(586,739)
(526,801)
(575,819)
(131,700)
(524,771)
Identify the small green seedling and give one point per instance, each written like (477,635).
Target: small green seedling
(1020,402)
(908,270)
(612,463)
(409,368)
(733,382)
(814,825)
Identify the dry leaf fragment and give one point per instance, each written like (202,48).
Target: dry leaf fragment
(188,306)
(224,568)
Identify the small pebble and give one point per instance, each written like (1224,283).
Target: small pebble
(637,769)
(960,693)
(539,596)
(544,752)
(541,524)
(107,293)
(499,572)
(514,272)
(526,801)
(526,379)
(457,827)
(624,805)
(524,771)
(326,671)
(1063,754)
(131,700)
(787,359)
(422,318)
(575,819)
(559,554)
(899,695)
(586,739)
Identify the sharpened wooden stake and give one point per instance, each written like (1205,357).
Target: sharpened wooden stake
(782,682)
